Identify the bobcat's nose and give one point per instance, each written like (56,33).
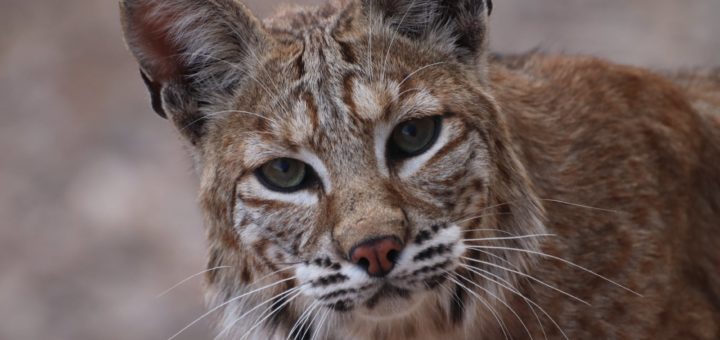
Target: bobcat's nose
(377,256)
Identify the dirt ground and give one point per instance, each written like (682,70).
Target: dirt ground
(97,196)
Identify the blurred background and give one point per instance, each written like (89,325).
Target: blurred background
(97,197)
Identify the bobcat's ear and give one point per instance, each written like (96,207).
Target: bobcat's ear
(190,51)
(458,25)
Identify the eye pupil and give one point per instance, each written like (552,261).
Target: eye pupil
(410,130)
(282,165)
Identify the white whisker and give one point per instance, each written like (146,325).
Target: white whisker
(489,229)
(311,322)
(399,95)
(266,301)
(531,278)
(507,285)
(510,238)
(452,295)
(301,320)
(165,292)
(501,301)
(320,324)
(504,260)
(272,312)
(581,205)
(528,301)
(483,301)
(392,40)
(484,214)
(418,70)
(563,261)
(232,300)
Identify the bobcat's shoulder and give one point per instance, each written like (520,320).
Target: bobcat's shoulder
(637,144)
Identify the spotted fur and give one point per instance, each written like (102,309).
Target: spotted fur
(564,198)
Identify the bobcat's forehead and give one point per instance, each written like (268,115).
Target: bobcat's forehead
(345,116)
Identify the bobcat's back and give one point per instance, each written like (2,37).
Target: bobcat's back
(703,90)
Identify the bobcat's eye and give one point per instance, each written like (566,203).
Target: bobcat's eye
(284,174)
(414,137)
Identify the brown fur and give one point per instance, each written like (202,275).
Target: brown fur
(619,163)
(625,139)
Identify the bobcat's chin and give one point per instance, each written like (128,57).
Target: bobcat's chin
(392,303)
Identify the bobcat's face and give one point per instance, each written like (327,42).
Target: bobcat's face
(348,155)
(364,194)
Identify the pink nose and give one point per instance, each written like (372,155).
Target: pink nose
(377,256)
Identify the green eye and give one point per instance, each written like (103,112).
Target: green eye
(414,137)
(284,174)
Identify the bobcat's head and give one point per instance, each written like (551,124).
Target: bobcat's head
(352,161)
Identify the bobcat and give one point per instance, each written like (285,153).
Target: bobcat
(369,170)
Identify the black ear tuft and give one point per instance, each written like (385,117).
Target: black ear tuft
(155,95)
(489,7)
(458,25)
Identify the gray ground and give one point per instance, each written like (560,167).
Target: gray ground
(97,199)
